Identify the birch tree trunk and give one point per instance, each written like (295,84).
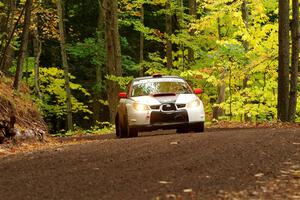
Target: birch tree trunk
(65,64)
(24,44)
(295,62)
(283,61)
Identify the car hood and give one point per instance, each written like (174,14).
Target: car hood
(177,99)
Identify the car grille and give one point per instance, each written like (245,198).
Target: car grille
(180,105)
(155,107)
(168,107)
(158,117)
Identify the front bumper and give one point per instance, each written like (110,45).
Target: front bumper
(166,126)
(178,116)
(157,119)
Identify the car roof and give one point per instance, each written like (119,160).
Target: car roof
(153,77)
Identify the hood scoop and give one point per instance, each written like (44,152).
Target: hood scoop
(163,94)
(165,97)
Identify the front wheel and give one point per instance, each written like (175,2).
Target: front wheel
(132,132)
(121,130)
(198,127)
(182,130)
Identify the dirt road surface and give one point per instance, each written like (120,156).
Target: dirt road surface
(152,166)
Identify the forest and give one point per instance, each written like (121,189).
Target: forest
(76,55)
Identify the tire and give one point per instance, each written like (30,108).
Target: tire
(199,127)
(132,132)
(121,131)
(182,130)
(117,126)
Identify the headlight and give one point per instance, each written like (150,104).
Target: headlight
(140,107)
(193,104)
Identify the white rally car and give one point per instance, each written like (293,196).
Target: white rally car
(159,102)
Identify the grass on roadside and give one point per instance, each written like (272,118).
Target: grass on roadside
(100,129)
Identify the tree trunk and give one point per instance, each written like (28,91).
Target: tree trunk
(65,64)
(246,47)
(97,107)
(295,62)
(24,44)
(179,14)
(283,61)
(7,126)
(142,41)
(37,47)
(245,19)
(193,13)
(169,33)
(113,50)
(7,29)
(218,111)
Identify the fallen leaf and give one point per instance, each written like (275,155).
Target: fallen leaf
(58,149)
(295,166)
(174,143)
(164,182)
(254,193)
(259,175)
(169,196)
(296,197)
(188,190)
(284,172)
(296,174)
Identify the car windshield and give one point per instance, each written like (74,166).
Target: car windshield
(159,86)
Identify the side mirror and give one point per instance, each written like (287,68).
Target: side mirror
(123,95)
(198,91)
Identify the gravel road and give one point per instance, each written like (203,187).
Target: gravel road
(152,166)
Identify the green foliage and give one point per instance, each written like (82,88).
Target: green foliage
(100,128)
(226,51)
(226,55)
(90,49)
(129,66)
(28,65)
(219,42)
(52,86)
(122,81)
